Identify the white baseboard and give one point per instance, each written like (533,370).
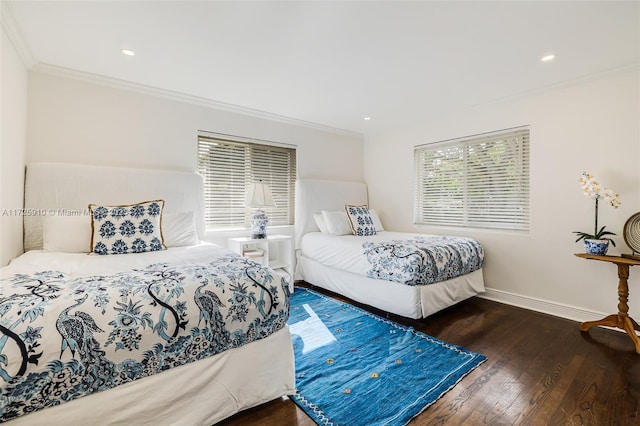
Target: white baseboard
(540,305)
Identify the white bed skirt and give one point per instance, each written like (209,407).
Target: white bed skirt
(200,393)
(400,299)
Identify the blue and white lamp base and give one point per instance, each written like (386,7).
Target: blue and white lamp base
(259,223)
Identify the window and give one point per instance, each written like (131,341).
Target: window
(230,166)
(480,181)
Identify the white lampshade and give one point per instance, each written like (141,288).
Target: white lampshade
(259,195)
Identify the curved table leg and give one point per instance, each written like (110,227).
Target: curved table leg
(609,321)
(621,319)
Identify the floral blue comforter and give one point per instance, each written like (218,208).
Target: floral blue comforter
(64,337)
(423,259)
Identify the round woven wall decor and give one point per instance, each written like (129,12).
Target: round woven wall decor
(631,232)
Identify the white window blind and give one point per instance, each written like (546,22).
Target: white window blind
(229,167)
(481,181)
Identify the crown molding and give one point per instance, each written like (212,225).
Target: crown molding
(633,66)
(13,32)
(115,83)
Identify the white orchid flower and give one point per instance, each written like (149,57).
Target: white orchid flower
(592,189)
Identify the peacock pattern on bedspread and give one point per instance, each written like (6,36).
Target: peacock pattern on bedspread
(423,260)
(63,337)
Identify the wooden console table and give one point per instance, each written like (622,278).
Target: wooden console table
(621,319)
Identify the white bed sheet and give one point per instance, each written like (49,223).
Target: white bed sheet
(82,264)
(345,252)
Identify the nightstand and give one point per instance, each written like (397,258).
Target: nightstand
(275,251)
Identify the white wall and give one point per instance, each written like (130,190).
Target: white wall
(81,122)
(586,126)
(13,110)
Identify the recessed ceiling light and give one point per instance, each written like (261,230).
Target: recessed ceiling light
(128,52)
(548,58)
(367,118)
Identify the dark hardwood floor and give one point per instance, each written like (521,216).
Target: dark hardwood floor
(541,370)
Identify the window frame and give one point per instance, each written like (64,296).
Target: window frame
(227,176)
(454,174)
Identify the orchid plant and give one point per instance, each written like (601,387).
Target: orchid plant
(592,189)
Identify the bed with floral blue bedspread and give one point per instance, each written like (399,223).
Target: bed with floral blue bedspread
(67,334)
(422,260)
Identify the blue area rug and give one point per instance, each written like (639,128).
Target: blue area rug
(356,368)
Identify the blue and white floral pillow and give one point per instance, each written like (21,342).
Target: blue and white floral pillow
(360,220)
(133,228)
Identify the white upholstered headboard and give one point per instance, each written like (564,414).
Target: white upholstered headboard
(51,188)
(313,196)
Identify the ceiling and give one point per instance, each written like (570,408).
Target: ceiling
(335,62)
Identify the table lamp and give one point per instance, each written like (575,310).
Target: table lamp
(259,196)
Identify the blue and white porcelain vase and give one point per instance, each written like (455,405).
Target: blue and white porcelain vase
(259,223)
(596,247)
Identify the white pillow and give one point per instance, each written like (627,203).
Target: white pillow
(337,222)
(322,225)
(376,220)
(67,234)
(179,229)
